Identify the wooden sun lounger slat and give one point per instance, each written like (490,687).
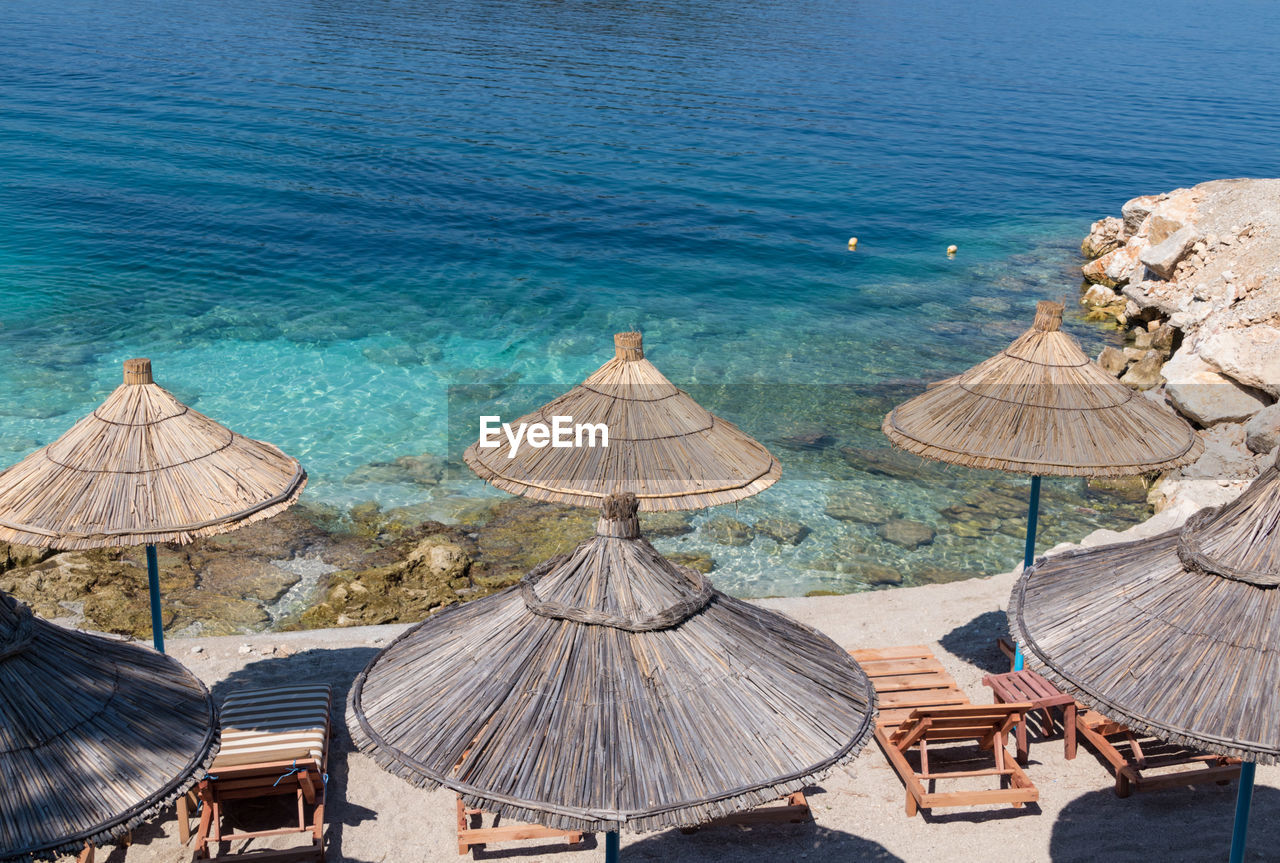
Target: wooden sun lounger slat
(922,698)
(883,668)
(896,682)
(918,651)
(920,702)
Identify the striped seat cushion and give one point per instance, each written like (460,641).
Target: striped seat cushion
(284,723)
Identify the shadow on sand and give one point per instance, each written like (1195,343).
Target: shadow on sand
(765,843)
(975,642)
(1172,825)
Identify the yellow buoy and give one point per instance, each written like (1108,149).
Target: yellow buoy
(951,251)
(853,243)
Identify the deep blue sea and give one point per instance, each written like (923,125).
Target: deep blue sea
(315,217)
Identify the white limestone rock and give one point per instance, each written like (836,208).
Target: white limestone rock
(1250,355)
(1262,433)
(1204,395)
(1162,259)
(1224,470)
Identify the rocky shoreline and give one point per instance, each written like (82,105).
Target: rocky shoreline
(1193,276)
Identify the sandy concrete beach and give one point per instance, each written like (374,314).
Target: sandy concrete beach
(858,810)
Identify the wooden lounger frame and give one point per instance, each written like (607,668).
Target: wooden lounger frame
(1135,766)
(304,779)
(472,832)
(920,703)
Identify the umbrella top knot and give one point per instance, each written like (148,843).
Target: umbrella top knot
(618,517)
(138,371)
(629,346)
(17,627)
(1048,316)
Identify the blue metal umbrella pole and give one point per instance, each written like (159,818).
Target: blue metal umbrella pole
(1029,555)
(153,577)
(1244,797)
(611,847)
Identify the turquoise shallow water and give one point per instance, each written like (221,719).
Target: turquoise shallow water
(317,217)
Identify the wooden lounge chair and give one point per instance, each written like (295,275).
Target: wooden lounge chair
(1140,762)
(274,741)
(472,831)
(920,704)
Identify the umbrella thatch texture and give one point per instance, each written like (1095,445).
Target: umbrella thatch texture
(1177,635)
(143,468)
(663,446)
(610,689)
(1042,407)
(96,735)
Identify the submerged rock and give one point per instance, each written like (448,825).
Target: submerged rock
(728,531)
(423,470)
(666,523)
(865,510)
(941,575)
(895,464)
(878,575)
(782,530)
(693,560)
(808,439)
(906,533)
(1129,488)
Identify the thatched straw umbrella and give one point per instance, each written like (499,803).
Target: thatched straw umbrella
(1042,407)
(96,736)
(1177,635)
(143,468)
(610,689)
(663,446)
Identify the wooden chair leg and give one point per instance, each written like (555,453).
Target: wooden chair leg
(1123,788)
(463,824)
(1046,721)
(317,826)
(1069,730)
(307,785)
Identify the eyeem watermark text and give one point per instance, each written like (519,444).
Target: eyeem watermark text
(563,433)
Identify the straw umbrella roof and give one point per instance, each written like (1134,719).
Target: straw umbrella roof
(609,689)
(1177,635)
(96,735)
(663,446)
(143,468)
(1042,407)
